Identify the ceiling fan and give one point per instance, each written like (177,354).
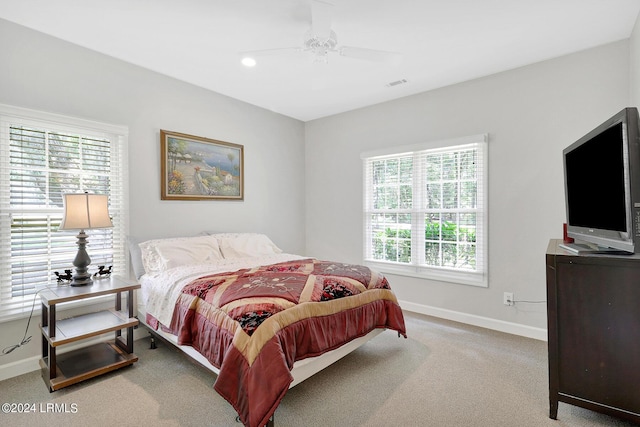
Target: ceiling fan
(321,40)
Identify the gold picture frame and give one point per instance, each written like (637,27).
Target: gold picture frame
(197,168)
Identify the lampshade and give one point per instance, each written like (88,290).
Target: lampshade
(84,211)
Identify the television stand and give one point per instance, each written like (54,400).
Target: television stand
(593,323)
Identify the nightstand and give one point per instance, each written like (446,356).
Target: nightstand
(68,368)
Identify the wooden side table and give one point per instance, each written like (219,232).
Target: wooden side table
(62,370)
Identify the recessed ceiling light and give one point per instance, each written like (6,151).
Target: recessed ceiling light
(248,62)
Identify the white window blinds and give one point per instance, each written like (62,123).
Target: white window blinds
(43,156)
(425,210)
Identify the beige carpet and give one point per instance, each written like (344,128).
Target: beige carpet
(445,374)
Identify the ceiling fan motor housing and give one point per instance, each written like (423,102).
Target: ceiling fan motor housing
(321,46)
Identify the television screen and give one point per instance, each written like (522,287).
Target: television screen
(595,182)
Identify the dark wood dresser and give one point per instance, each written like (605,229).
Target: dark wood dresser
(593,316)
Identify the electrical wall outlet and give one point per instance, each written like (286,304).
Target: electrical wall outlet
(507,298)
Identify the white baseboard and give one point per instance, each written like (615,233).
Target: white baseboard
(472,319)
(19,367)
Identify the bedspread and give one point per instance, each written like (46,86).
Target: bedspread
(254,323)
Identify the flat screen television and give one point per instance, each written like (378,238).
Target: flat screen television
(602,186)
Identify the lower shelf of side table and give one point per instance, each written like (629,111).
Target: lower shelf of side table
(84,363)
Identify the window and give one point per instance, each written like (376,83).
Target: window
(425,210)
(43,156)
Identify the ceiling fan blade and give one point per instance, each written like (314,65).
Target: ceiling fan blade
(370,54)
(321,19)
(269,52)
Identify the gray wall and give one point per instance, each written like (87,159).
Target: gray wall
(634,48)
(530,114)
(44,73)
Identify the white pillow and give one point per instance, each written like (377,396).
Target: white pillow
(240,245)
(162,254)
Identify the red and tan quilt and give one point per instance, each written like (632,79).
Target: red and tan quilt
(253,324)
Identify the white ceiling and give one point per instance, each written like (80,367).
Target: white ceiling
(442,42)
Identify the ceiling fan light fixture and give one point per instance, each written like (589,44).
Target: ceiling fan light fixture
(320,57)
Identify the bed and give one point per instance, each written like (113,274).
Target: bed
(261,319)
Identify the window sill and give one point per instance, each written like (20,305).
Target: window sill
(442,275)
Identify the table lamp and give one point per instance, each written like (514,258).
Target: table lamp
(84,211)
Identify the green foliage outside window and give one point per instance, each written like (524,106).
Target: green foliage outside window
(446,244)
(392,245)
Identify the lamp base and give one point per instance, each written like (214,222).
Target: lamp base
(79,280)
(81,263)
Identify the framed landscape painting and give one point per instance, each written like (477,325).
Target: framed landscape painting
(196,168)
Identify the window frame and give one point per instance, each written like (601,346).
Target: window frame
(479,277)
(10,116)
